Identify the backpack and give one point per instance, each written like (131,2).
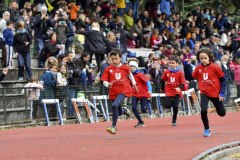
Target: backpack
(61,33)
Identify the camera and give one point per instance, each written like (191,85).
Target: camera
(62,23)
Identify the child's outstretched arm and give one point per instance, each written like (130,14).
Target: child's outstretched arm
(132,79)
(149,86)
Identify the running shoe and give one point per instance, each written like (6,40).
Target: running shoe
(140,124)
(126,111)
(112,130)
(207,133)
(174,123)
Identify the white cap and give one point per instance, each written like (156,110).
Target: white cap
(133,63)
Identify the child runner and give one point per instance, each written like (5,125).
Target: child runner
(145,88)
(174,83)
(117,78)
(212,85)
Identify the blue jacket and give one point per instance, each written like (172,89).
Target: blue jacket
(8,36)
(50,82)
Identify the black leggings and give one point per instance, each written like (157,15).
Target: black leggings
(143,102)
(204,106)
(173,101)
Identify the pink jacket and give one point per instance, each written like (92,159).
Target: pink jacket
(236,70)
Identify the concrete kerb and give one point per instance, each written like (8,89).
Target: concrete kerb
(219,151)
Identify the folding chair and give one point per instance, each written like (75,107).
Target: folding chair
(52,101)
(105,111)
(236,102)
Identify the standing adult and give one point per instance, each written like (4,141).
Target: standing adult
(41,23)
(3,26)
(94,43)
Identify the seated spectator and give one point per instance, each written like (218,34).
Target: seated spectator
(164,61)
(128,19)
(51,49)
(111,42)
(85,69)
(4,73)
(61,83)
(186,53)
(95,14)
(148,63)
(191,42)
(49,62)
(155,39)
(104,26)
(62,59)
(138,29)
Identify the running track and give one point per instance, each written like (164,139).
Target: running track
(157,141)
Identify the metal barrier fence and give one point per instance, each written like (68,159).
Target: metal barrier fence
(17,105)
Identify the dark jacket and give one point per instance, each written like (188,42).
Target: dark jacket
(227,74)
(1,77)
(124,36)
(94,42)
(110,46)
(74,69)
(51,49)
(41,26)
(19,40)
(188,71)
(80,24)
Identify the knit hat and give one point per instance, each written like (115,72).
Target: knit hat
(133,63)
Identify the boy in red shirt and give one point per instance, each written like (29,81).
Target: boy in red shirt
(117,78)
(145,88)
(174,84)
(211,83)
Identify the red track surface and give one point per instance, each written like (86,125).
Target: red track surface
(157,141)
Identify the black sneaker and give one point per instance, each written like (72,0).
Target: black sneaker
(139,125)
(174,123)
(126,111)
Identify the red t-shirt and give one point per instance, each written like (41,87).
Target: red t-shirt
(141,80)
(208,79)
(119,77)
(173,81)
